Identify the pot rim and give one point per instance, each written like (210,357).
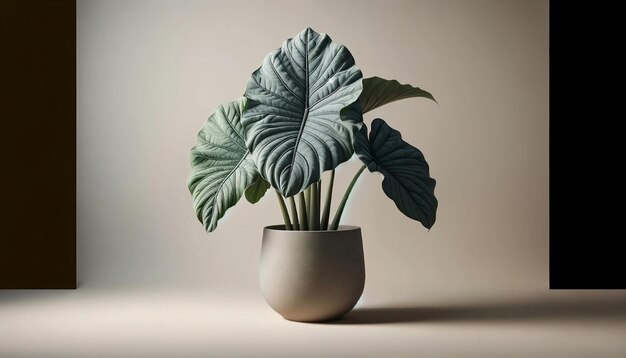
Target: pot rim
(341,228)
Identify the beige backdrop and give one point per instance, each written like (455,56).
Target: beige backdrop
(151,72)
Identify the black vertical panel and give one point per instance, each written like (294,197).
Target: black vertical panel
(38,144)
(586,147)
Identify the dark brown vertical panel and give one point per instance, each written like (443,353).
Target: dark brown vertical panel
(38,144)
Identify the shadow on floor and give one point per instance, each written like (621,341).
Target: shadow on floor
(20,296)
(606,309)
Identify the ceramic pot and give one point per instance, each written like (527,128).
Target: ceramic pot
(312,276)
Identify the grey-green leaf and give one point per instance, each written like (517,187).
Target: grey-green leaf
(294,123)
(221,167)
(407,181)
(379,91)
(257,190)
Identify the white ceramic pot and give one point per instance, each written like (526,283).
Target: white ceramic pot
(312,276)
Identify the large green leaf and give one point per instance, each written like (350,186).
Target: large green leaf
(379,91)
(221,167)
(407,181)
(295,123)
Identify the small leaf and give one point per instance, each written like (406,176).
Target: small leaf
(379,91)
(255,192)
(221,167)
(295,123)
(407,181)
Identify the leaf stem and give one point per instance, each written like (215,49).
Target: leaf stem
(309,206)
(346,195)
(329,197)
(294,213)
(304,223)
(314,216)
(319,203)
(283,209)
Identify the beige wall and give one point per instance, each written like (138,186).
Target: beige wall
(151,72)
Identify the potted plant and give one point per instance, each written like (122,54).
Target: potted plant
(300,116)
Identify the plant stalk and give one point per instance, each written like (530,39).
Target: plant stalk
(294,213)
(329,197)
(307,197)
(304,222)
(283,209)
(314,216)
(335,223)
(319,203)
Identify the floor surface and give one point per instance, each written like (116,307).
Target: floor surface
(210,322)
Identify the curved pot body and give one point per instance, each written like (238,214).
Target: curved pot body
(312,276)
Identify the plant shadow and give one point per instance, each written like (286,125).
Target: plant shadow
(530,310)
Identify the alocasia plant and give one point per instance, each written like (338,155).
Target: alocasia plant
(302,115)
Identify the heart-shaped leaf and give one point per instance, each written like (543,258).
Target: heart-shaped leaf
(295,123)
(379,91)
(221,167)
(407,181)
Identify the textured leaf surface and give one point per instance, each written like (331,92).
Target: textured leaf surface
(407,181)
(221,167)
(379,91)
(257,190)
(295,122)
